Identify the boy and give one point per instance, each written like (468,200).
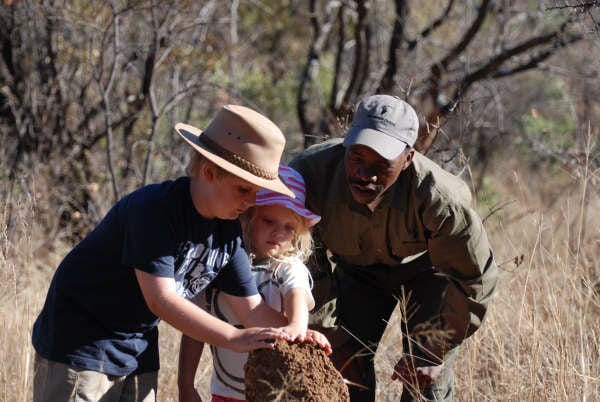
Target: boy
(97,337)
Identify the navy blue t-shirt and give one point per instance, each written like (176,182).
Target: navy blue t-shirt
(95,316)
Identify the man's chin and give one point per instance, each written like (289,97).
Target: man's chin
(362,197)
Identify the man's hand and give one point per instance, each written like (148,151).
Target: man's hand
(188,393)
(408,372)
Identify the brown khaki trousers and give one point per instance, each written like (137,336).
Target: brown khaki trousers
(57,382)
(354,305)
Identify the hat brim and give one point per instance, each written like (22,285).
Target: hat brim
(385,145)
(191,134)
(310,216)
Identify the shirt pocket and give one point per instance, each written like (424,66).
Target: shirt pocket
(405,241)
(341,242)
(401,249)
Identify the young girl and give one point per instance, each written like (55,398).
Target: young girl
(277,235)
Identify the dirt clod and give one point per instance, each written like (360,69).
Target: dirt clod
(293,372)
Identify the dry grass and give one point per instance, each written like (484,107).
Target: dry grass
(540,341)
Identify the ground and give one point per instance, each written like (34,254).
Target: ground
(293,372)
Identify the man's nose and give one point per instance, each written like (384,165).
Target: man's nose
(365,173)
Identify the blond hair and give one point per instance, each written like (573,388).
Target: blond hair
(302,243)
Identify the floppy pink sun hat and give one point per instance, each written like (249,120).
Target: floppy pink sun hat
(295,182)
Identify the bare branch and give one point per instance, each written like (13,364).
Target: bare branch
(233,43)
(152,95)
(587,4)
(468,37)
(494,64)
(320,31)
(363,71)
(360,59)
(533,62)
(431,28)
(387,81)
(338,58)
(105,89)
(179,96)
(440,67)
(488,70)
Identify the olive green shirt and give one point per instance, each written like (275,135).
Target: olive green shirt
(427,209)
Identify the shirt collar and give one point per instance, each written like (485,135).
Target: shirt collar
(400,191)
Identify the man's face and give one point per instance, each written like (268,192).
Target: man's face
(369,174)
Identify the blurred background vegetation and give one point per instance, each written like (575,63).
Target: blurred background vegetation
(507,91)
(90,91)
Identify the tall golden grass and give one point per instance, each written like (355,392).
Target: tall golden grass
(541,339)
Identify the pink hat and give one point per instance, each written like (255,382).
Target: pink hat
(294,181)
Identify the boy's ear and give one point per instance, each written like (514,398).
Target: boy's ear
(208,172)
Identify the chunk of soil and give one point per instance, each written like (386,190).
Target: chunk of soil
(293,372)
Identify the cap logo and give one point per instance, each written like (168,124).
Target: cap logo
(384,109)
(381,119)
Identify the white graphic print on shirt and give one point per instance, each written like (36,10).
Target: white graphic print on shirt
(196,266)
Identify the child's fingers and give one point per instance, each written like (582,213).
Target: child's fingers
(276,333)
(325,342)
(320,339)
(326,347)
(264,338)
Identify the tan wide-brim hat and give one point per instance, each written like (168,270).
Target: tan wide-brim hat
(244,143)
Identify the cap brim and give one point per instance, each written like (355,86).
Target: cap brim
(190,134)
(385,145)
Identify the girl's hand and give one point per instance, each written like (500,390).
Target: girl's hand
(296,332)
(248,339)
(320,339)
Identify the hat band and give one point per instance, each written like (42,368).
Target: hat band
(236,159)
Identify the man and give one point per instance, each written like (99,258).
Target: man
(396,227)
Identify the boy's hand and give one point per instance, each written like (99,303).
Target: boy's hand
(248,339)
(188,393)
(320,339)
